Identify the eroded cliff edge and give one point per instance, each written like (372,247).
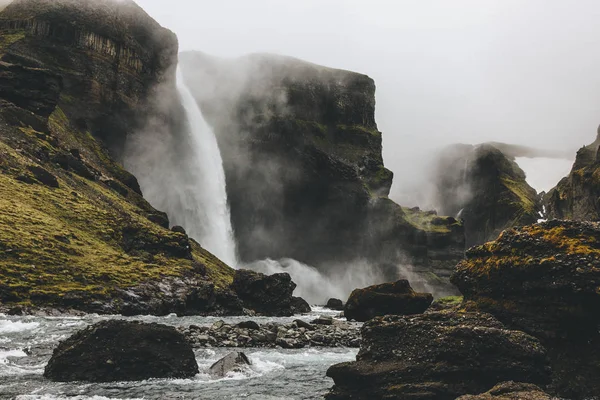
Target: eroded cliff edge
(75,79)
(304,168)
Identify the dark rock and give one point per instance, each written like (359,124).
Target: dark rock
(335,304)
(116,186)
(179,229)
(70,163)
(26,178)
(231,362)
(122,351)
(266,294)
(322,320)
(486,189)
(161,219)
(303,324)
(249,325)
(543,279)
(43,176)
(396,298)
(300,306)
(511,391)
(437,356)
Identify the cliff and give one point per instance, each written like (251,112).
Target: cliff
(304,169)
(75,79)
(577,196)
(486,189)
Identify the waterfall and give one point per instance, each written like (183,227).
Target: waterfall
(182,174)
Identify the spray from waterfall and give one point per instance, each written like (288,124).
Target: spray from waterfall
(182,174)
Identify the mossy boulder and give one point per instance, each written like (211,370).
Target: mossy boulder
(396,298)
(437,356)
(511,391)
(543,279)
(577,196)
(486,189)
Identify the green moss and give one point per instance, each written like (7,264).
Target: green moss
(359,129)
(450,301)
(428,222)
(7,39)
(523,193)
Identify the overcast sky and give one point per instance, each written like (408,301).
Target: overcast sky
(518,71)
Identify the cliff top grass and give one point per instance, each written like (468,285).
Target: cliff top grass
(428,221)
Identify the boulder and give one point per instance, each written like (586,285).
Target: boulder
(122,351)
(511,391)
(300,306)
(396,298)
(249,325)
(543,279)
(437,356)
(266,294)
(43,176)
(232,362)
(335,304)
(323,320)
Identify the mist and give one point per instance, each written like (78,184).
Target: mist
(466,71)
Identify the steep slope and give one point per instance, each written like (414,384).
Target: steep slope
(577,196)
(486,189)
(304,169)
(76,232)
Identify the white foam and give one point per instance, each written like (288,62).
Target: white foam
(53,397)
(7,326)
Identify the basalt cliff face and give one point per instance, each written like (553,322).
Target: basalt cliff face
(578,195)
(304,169)
(486,189)
(75,79)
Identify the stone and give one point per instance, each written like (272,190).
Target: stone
(232,362)
(437,356)
(179,229)
(511,391)
(43,176)
(335,304)
(303,324)
(396,298)
(543,279)
(249,325)
(300,306)
(118,350)
(266,294)
(323,320)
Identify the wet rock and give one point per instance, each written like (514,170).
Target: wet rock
(543,279)
(232,362)
(437,356)
(396,298)
(335,304)
(122,351)
(300,306)
(511,391)
(266,294)
(69,162)
(43,176)
(303,324)
(179,229)
(323,320)
(249,325)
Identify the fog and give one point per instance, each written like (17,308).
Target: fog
(470,71)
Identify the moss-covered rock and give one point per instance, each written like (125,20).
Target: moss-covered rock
(486,189)
(543,279)
(76,232)
(577,196)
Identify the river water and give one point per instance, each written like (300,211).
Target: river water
(26,344)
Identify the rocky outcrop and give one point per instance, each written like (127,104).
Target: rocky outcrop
(577,196)
(486,189)
(76,78)
(304,169)
(437,356)
(511,391)
(122,351)
(267,294)
(232,362)
(543,279)
(294,335)
(396,298)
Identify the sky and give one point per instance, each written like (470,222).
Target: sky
(468,71)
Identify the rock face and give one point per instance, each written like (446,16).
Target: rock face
(396,298)
(230,363)
(543,279)
(304,170)
(578,195)
(122,351)
(437,356)
(267,294)
(75,80)
(486,189)
(511,391)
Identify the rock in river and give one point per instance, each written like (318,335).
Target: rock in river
(235,361)
(396,298)
(122,351)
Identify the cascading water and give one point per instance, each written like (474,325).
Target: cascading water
(206,214)
(182,174)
